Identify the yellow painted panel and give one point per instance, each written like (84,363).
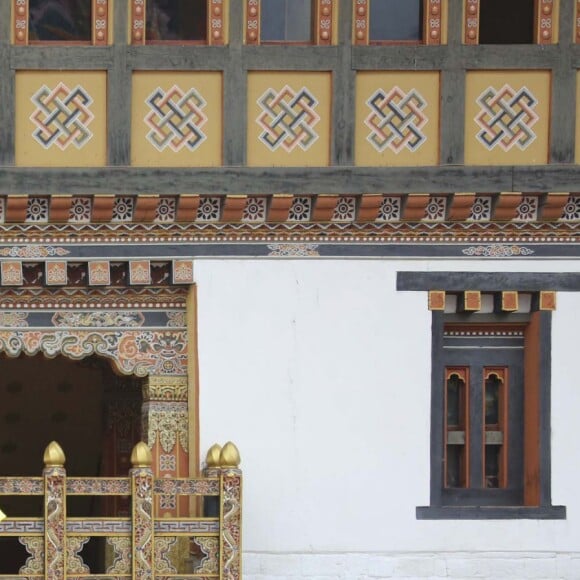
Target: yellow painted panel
(507,117)
(397,118)
(177,119)
(61,118)
(289,117)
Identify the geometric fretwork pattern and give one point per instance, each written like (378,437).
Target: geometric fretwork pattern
(288,119)
(62,116)
(506,118)
(175,119)
(396,120)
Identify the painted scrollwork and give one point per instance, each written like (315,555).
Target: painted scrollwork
(122,555)
(74,561)
(35,562)
(163,564)
(210,548)
(165,389)
(169,423)
(136,352)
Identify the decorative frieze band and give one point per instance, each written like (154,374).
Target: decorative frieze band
(477,301)
(93,273)
(202,210)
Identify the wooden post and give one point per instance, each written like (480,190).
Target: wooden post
(54,512)
(142,512)
(230,514)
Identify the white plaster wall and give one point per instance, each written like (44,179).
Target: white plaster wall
(320,371)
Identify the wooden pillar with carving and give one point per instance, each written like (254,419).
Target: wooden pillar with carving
(142,483)
(165,428)
(54,512)
(230,513)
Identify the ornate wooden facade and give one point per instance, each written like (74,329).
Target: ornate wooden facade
(122,162)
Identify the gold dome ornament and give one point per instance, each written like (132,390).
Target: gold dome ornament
(54,455)
(141,455)
(212,459)
(230,456)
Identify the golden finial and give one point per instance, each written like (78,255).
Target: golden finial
(230,456)
(212,459)
(54,455)
(3,516)
(141,455)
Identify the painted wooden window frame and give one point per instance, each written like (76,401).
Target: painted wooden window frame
(538,306)
(475,364)
(535,468)
(99,25)
(322,23)
(432,24)
(544,21)
(215,25)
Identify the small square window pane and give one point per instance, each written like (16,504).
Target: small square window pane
(286,21)
(174,20)
(60,20)
(396,20)
(502,22)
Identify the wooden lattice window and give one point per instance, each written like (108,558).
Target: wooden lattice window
(484,415)
(61,22)
(177,22)
(289,21)
(398,21)
(513,22)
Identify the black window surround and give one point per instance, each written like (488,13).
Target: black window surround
(440,507)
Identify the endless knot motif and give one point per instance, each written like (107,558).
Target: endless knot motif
(175,119)
(288,119)
(506,118)
(396,120)
(62,116)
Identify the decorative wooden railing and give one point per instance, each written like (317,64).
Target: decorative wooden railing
(140,546)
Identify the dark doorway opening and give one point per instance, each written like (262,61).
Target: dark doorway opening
(92,412)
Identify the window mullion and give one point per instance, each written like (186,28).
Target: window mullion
(476,391)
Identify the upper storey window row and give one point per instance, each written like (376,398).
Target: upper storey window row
(309,22)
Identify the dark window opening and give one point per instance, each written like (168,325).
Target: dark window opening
(176,20)
(286,21)
(60,20)
(502,22)
(396,20)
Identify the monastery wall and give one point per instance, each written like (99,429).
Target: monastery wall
(320,371)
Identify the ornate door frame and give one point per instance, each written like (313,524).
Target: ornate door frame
(143,332)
